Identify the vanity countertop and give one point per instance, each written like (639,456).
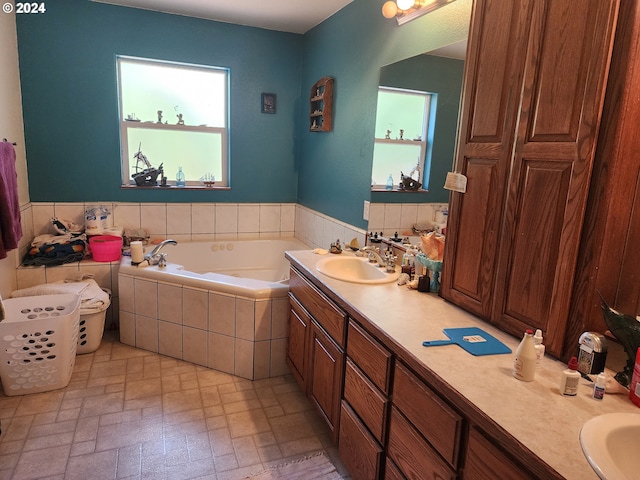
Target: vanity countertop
(535,413)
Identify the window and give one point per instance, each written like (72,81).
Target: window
(401,137)
(174,115)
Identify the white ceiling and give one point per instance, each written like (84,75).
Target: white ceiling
(297,16)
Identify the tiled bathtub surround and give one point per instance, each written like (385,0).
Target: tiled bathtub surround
(241,336)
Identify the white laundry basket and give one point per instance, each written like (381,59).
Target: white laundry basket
(38,342)
(91,327)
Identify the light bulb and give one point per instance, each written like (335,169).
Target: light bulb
(389,9)
(405,4)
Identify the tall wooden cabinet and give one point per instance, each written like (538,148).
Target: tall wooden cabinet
(532,100)
(609,262)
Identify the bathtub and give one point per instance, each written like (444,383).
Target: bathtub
(223,305)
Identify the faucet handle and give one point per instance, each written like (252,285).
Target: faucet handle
(162,262)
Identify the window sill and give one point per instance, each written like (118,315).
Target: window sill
(173,187)
(395,190)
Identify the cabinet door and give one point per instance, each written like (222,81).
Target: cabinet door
(565,79)
(299,327)
(492,84)
(326,377)
(486,462)
(532,103)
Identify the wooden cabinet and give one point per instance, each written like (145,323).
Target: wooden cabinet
(609,254)
(532,102)
(315,349)
(485,461)
(366,385)
(321,105)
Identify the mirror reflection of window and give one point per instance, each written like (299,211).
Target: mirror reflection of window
(402,120)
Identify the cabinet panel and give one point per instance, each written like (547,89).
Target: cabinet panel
(372,358)
(484,461)
(323,310)
(299,325)
(326,377)
(391,472)
(433,418)
(412,455)
(360,453)
(362,395)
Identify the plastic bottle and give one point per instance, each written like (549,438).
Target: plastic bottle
(599,386)
(570,379)
(390,183)
(180,178)
(634,388)
(524,363)
(540,348)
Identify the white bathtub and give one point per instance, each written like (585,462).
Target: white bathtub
(253,268)
(223,305)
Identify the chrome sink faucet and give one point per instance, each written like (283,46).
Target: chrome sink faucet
(388,262)
(154,257)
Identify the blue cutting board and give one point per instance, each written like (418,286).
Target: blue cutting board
(474,340)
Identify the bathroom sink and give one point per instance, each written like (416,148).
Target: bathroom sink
(611,443)
(355,270)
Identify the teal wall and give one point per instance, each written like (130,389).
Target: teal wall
(68,78)
(67,70)
(335,167)
(442,76)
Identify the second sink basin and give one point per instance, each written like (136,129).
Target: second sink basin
(611,443)
(355,270)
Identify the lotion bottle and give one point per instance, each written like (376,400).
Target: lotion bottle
(540,348)
(599,386)
(570,379)
(524,363)
(634,388)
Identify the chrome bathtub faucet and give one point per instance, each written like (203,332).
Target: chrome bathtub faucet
(154,257)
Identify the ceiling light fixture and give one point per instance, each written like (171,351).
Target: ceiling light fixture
(407,10)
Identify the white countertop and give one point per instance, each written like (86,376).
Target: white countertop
(535,413)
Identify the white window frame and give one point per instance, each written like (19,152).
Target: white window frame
(421,144)
(128,161)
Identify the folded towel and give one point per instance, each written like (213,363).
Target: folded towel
(92,297)
(10,226)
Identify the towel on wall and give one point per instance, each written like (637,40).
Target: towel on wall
(10,226)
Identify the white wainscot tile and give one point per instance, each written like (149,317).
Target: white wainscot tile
(146,298)
(195,346)
(270,218)
(226,218)
(245,319)
(126,215)
(147,333)
(153,217)
(249,218)
(170,303)
(203,217)
(195,308)
(170,339)
(221,353)
(178,219)
(222,314)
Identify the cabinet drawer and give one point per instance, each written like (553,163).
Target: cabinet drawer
(324,311)
(366,400)
(358,450)
(372,358)
(432,417)
(413,456)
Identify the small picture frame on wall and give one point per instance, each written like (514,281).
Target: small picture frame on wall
(268,103)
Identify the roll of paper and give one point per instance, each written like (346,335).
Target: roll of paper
(137,254)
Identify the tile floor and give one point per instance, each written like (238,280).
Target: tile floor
(133,414)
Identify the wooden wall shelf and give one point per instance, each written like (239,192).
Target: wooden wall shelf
(321,105)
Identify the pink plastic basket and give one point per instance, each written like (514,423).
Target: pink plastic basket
(106,248)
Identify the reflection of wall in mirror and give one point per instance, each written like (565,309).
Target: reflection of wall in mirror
(442,76)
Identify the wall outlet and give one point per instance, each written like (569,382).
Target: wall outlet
(365,212)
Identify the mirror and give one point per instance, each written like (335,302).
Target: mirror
(438,74)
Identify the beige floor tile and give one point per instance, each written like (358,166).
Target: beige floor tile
(133,414)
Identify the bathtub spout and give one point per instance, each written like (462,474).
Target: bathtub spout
(154,257)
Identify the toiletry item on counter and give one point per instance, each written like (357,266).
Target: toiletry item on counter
(599,386)
(592,352)
(634,387)
(137,252)
(570,379)
(539,346)
(524,363)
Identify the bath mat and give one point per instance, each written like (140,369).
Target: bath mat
(317,466)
